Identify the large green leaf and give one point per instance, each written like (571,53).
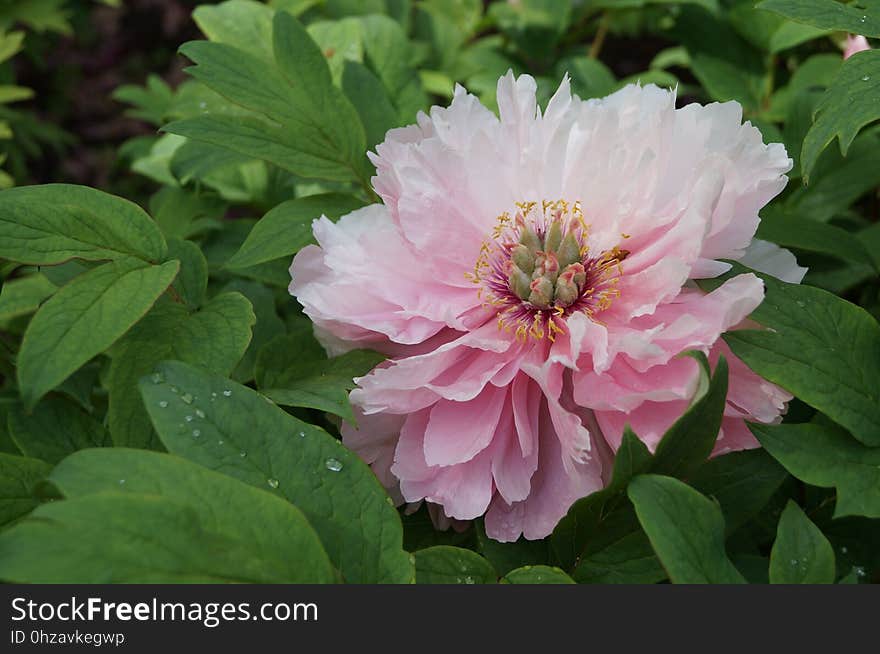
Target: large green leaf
(537,574)
(827,14)
(293,370)
(84,318)
(444,564)
(143,517)
(242,23)
(686,530)
(850,103)
(213,338)
(801,553)
(300,121)
(288,227)
(50,224)
(19,477)
(820,347)
(229,427)
(825,455)
(56,427)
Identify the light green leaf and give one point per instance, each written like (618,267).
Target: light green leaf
(444,564)
(369,98)
(192,526)
(308,126)
(287,228)
(241,23)
(213,338)
(537,574)
(85,318)
(791,231)
(801,554)
(825,455)
(686,530)
(336,490)
(19,477)
(45,225)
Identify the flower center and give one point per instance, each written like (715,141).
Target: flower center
(537,269)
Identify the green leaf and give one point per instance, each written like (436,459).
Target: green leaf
(308,126)
(826,14)
(537,574)
(850,103)
(295,371)
(19,477)
(241,23)
(192,281)
(287,228)
(85,318)
(741,482)
(45,225)
(57,427)
(826,456)
(801,553)
(337,491)
(143,517)
(600,538)
(686,530)
(792,231)
(444,564)
(23,296)
(370,99)
(823,349)
(726,65)
(505,557)
(213,338)
(690,440)
(267,327)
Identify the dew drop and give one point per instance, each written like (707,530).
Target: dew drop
(860,571)
(203,105)
(220,442)
(801,304)
(213,396)
(187,398)
(158,377)
(863,19)
(227,393)
(174,389)
(163,403)
(200,413)
(866,78)
(469,580)
(273,483)
(302,434)
(242,454)
(844,549)
(121,482)
(188,418)
(196,433)
(793,562)
(333,465)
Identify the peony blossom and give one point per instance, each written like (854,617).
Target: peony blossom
(854,43)
(531,279)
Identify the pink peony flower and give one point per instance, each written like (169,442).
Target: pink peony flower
(854,43)
(531,279)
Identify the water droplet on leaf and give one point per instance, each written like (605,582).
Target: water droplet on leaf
(196,433)
(187,398)
(334,465)
(163,403)
(273,483)
(200,413)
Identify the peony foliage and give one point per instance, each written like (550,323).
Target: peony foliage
(460,292)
